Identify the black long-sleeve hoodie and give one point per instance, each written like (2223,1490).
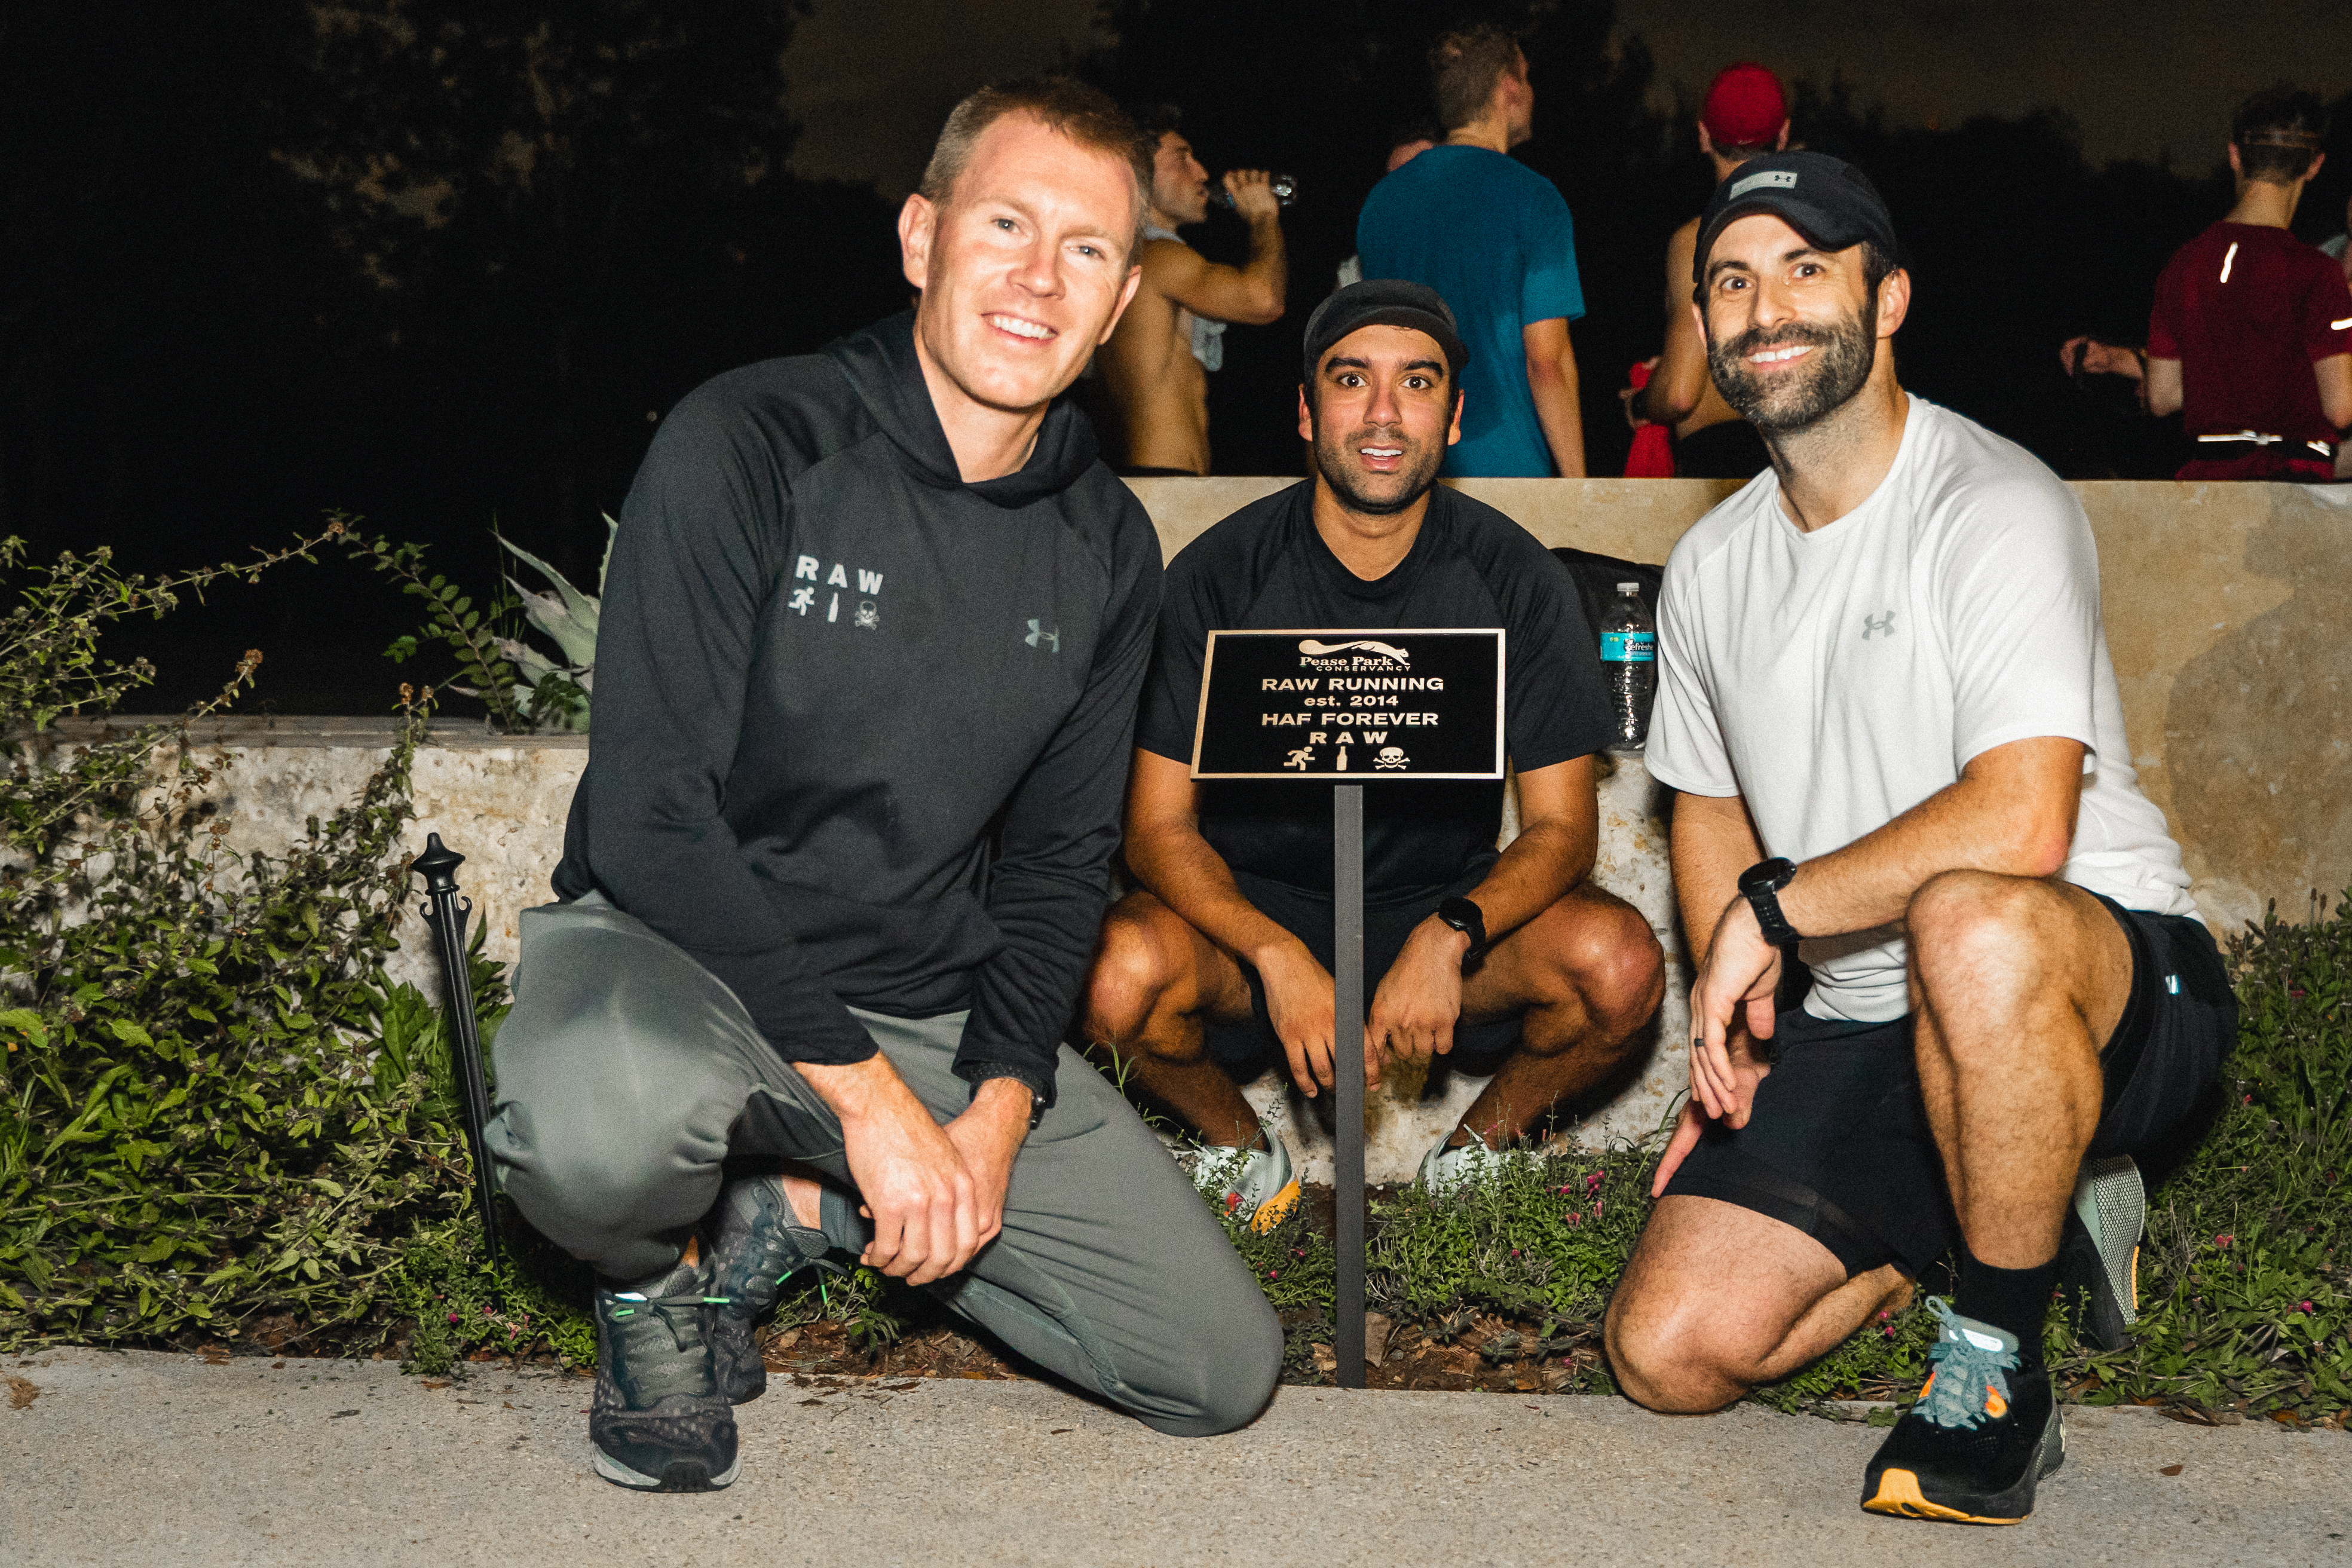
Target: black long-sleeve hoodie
(862,729)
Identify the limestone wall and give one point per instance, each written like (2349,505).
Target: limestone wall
(2224,606)
(2226,611)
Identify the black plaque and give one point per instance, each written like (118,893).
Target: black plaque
(1353,707)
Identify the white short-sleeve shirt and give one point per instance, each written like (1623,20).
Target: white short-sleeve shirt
(1839,677)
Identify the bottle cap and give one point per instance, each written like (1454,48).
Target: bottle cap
(1628,587)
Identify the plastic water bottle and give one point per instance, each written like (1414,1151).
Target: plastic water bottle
(1286,191)
(1629,658)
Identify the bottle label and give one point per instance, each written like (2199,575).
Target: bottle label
(1629,647)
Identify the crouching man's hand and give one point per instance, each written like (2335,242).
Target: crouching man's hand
(911,1174)
(989,1134)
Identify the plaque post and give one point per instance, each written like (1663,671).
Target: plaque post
(1344,709)
(1348,1045)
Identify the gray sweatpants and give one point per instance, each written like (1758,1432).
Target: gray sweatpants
(626,1073)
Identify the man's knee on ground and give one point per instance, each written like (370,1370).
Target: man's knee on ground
(1608,960)
(1130,974)
(1659,1352)
(1240,1351)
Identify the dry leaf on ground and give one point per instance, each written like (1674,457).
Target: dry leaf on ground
(21,1392)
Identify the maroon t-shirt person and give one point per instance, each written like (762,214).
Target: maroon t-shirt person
(2248,310)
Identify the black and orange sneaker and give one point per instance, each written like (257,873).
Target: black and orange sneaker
(1983,1433)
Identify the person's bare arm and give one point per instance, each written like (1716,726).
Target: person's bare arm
(2161,388)
(1419,1000)
(1252,294)
(1712,841)
(910,1173)
(1552,378)
(1167,854)
(2097,358)
(2334,373)
(1680,379)
(2012,811)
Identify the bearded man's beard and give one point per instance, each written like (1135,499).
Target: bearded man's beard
(1825,381)
(1394,492)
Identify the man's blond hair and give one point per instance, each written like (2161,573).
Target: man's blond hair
(1064,105)
(1464,67)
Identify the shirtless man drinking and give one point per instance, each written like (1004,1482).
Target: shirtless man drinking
(1156,366)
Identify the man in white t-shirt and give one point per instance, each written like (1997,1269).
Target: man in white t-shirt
(1886,702)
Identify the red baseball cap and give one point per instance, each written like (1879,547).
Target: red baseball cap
(1745,108)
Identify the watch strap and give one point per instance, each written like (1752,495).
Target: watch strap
(1761,885)
(1465,916)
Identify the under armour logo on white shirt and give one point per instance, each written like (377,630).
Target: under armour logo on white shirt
(1875,624)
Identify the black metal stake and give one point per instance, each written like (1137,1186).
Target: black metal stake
(1348,1043)
(446,913)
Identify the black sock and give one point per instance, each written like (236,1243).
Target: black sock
(2015,1300)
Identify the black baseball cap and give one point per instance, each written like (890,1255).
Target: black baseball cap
(1384,303)
(1826,199)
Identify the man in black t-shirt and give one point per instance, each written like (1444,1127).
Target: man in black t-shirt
(1223,957)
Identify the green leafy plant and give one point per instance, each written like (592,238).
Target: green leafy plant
(523,688)
(557,695)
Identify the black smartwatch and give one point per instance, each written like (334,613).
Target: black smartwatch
(1760,885)
(1471,921)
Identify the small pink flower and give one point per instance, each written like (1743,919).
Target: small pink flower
(2225,1239)
(452,1317)
(1592,1182)
(2305,1307)
(1274,1274)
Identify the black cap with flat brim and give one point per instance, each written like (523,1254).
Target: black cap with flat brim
(1828,200)
(1384,303)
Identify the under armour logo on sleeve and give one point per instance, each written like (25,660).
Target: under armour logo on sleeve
(1050,636)
(1872,624)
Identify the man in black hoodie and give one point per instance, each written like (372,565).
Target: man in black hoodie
(867,676)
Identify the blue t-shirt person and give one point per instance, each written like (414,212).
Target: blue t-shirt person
(1495,239)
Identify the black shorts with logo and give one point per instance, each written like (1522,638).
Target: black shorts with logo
(1247,1048)
(1837,1143)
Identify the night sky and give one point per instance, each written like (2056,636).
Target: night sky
(872,83)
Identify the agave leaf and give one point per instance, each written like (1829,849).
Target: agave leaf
(553,617)
(535,666)
(579,607)
(612,532)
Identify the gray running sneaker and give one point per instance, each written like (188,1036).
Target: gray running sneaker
(659,1422)
(759,1245)
(2098,1258)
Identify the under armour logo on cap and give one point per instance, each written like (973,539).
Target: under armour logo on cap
(1771,179)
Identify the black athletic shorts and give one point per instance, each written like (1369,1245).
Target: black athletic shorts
(1837,1143)
(1246,1049)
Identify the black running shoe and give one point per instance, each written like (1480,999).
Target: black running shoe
(659,1422)
(2098,1260)
(757,1247)
(1980,1435)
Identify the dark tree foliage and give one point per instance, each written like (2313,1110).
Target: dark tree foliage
(586,207)
(435,263)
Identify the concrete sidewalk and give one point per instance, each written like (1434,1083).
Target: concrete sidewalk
(149,1458)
